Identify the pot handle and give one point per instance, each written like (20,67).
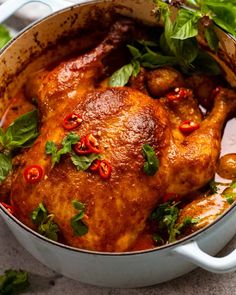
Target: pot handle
(9,7)
(194,254)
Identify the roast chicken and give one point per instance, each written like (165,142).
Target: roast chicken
(122,119)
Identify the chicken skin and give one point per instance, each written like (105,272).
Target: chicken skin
(122,119)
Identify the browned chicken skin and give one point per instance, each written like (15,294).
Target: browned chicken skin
(122,119)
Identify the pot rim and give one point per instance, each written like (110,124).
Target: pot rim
(85,251)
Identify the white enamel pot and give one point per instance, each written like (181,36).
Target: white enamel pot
(132,269)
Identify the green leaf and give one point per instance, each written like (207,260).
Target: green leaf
(49,228)
(186,24)
(204,63)
(224,14)
(212,38)
(151,165)
(121,76)
(78,205)
(39,214)
(136,67)
(45,222)
(78,226)
(5,166)
(84,162)
(22,132)
(13,281)
(4,36)
(154,60)
(68,141)
(134,51)
(214,186)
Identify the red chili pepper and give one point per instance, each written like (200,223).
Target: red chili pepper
(92,143)
(95,165)
(9,208)
(187,127)
(71,121)
(178,94)
(105,169)
(81,147)
(171,197)
(33,173)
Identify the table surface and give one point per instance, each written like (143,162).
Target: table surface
(45,281)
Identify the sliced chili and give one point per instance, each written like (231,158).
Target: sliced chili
(178,94)
(81,147)
(105,169)
(95,165)
(187,127)
(9,208)
(71,121)
(92,143)
(33,173)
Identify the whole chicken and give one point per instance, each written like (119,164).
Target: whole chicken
(122,120)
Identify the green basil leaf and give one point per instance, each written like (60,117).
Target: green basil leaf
(121,76)
(5,166)
(39,214)
(78,205)
(151,166)
(45,222)
(134,51)
(225,14)
(212,38)
(78,226)
(204,63)
(84,162)
(186,24)
(22,132)
(4,36)
(136,67)
(154,60)
(68,141)
(148,43)
(13,281)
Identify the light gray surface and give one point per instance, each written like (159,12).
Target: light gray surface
(45,281)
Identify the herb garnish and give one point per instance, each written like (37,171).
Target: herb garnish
(4,36)
(79,227)
(166,216)
(45,222)
(178,46)
(68,141)
(84,162)
(151,165)
(230,193)
(13,281)
(20,134)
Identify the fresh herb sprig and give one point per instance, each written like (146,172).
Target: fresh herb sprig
(77,224)
(52,149)
(230,193)
(13,281)
(20,134)
(45,222)
(82,162)
(177,46)
(151,165)
(166,216)
(4,36)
